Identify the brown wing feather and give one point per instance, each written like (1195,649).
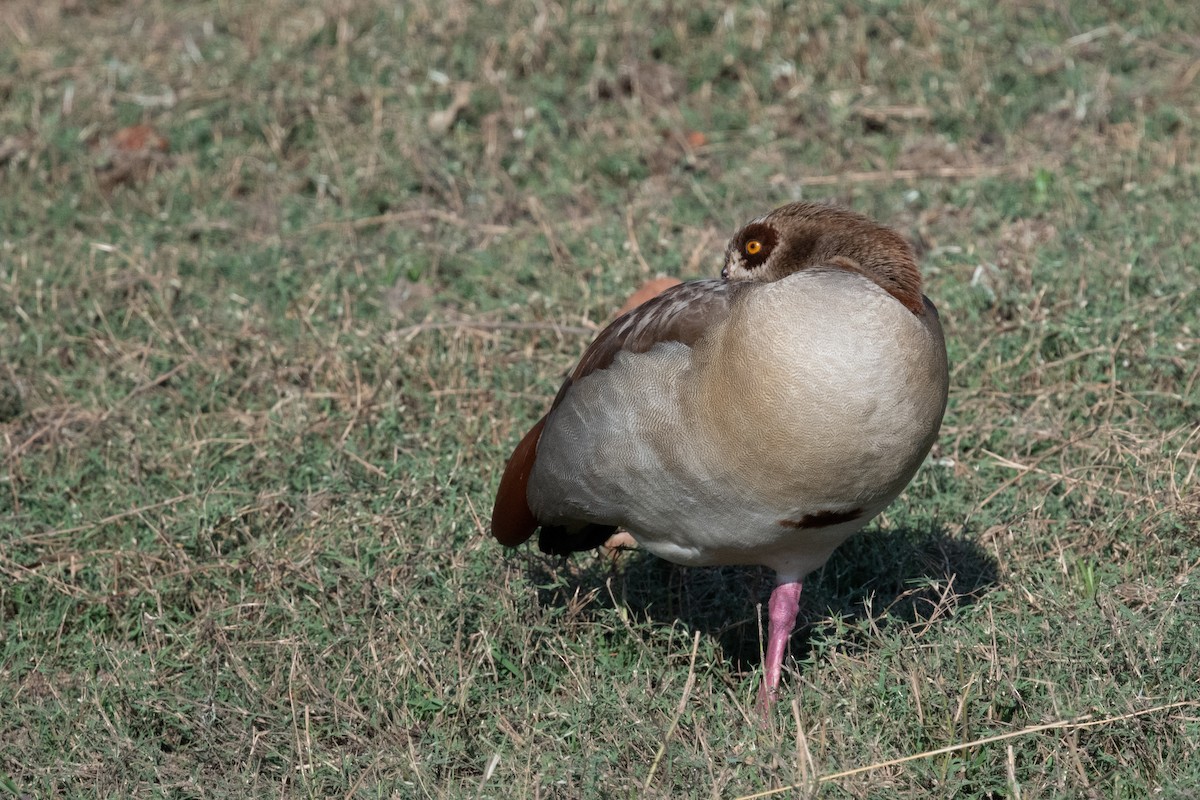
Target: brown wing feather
(680,314)
(512,521)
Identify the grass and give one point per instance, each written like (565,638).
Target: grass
(256,391)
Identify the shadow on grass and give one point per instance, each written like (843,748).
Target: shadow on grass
(904,576)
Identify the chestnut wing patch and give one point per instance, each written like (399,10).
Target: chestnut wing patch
(512,521)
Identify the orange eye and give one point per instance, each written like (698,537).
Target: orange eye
(753,247)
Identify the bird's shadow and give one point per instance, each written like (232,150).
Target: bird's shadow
(906,576)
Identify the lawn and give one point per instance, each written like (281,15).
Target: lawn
(282,283)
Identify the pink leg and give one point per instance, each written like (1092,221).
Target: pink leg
(782,610)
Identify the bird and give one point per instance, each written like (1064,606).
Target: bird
(757,419)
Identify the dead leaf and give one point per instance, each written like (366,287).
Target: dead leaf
(441,121)
(139,139)
(132,155)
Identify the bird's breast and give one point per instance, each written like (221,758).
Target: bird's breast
(821,386)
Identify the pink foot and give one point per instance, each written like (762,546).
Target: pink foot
(781,610)
(621,540)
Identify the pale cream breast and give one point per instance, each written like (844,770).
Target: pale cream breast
(823,387)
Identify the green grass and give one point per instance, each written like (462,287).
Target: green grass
(256,393)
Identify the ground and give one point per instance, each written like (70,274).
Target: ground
(282,283)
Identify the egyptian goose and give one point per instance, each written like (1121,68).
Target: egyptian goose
(758,419)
